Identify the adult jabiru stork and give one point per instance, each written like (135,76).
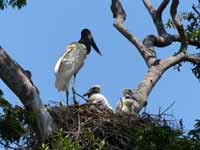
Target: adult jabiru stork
(72,61)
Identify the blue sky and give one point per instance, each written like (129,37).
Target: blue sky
(37,35)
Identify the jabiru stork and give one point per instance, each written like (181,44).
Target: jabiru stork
(72,61)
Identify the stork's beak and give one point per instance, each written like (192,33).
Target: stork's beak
(95,46)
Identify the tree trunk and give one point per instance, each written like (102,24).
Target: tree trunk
(16,78)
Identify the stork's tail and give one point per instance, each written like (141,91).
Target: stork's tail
(61,84)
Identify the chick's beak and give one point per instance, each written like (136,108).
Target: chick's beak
(87,93)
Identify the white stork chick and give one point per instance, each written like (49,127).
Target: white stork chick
(72,61)
(95,97)
(126,103)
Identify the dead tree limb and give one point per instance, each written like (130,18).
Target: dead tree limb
(156,67)
(15,77)
(157,15)
(120,15)
(177,23)
(163,38)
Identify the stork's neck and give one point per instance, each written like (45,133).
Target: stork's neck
(86,42)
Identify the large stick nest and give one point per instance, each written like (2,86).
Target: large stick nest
(111,128)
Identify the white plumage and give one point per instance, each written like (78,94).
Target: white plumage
(72,60)
(125,106)
(127,103)
(98,99)
(69,64)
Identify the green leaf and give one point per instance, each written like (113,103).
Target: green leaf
(196,71)
(4,102)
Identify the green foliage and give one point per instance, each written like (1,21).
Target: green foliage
(14,123)
(154,137)
(196,71)
(4,103)
(13,3)
(61,141)
(149,136)
(93,142)
(193,25)
(10,128)
(195,133)
(191,22)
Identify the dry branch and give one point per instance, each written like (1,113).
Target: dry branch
(116,7)
(157,67)
(175,18)
(193,58)
(157,15)
(163,39)
(192,42)
(15,77)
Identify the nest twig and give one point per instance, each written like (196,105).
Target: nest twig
(114,129)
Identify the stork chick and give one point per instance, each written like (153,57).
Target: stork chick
(126,103)
(95,97)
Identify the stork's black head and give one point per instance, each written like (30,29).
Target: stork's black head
(87,40)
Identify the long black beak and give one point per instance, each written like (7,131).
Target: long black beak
(95,46)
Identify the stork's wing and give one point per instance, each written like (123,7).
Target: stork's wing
(60,60)
(101,101)
(119,106)
(69,64)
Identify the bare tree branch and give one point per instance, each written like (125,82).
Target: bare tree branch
(163,39)
(152,76)
(193,58)
(161,8)
(149,7)
(157,15)
(157,67)
(192,42)
(175,18)
(15,78)
(117,10)
(120,15)
(194,8)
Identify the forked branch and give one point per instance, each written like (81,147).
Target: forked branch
(157,67)
(120,15)
(157,15)
(177,23)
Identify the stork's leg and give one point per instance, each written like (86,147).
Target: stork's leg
(67,96)
(74,90)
